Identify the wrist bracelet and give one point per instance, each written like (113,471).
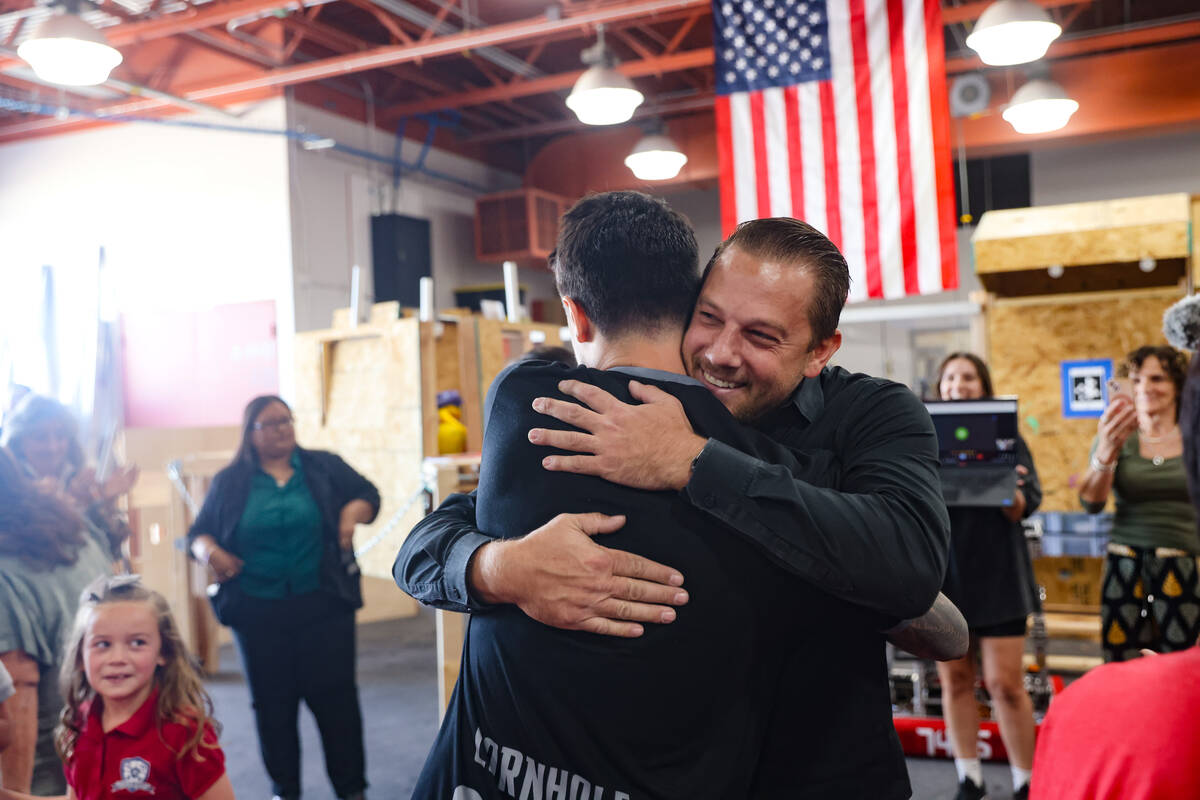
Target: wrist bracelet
(1100,466)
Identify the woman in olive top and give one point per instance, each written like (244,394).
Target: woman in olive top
(277,529)
(990,578)
(1149,595)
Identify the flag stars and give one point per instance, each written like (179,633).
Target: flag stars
(814,18)
(772,48)
(741,63)
(727,9)
(770,26)
(818,63)
(761,39)
(761,61)
(816,40)
(794,68)
(759,15)
(751,74)
(730,54)
(773,71)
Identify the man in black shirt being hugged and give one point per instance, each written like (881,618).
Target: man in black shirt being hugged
(680,712)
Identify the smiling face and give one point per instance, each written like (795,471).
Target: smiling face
(748,341)
(45,446)
(960,381)
(1153,389)
(121,649)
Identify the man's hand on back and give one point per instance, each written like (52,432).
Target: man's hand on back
(647,446)
(560,577)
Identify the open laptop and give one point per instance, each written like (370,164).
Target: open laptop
(977,446)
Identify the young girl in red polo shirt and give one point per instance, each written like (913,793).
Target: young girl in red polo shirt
(137,722)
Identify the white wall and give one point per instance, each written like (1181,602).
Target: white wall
(334,195)
(1113,170)
(189,218)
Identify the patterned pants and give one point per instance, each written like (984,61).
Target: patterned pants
(1150,599)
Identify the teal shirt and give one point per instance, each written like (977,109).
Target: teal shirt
(279,537)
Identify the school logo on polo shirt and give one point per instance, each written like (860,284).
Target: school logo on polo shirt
(134,772)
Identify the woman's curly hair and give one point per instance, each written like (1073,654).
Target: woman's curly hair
(38,528)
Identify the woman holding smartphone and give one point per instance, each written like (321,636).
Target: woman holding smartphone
(1150,596)
(990,578)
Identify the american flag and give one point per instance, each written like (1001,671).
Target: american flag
(835,112)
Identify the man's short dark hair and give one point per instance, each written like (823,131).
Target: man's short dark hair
(790,241)
(629,260)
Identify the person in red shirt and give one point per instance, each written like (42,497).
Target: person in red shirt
(1124,731)
(137,720)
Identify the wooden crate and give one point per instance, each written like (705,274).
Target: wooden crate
(1082,234)
(1072,583)
(159,520)
(1030,337)
(360,394)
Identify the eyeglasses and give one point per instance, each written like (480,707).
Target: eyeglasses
(274,424)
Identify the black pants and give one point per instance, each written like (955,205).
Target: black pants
(302,647)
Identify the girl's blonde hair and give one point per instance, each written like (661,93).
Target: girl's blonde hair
(181,698)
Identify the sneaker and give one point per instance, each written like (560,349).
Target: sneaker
(969,790)
(1022,793)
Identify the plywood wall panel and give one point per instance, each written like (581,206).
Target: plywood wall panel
(367,409)
(1030,338)
(500,342)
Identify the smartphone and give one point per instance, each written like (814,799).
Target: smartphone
(1119,386)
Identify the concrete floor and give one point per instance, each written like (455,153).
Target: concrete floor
(397,685)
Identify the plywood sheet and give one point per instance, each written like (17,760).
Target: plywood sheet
(368,382)
(1030,337)
(501,342)
(1100,232)
(1195,231)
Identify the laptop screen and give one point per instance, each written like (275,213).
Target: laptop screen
(976,433)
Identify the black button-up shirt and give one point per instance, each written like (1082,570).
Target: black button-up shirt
(879,538)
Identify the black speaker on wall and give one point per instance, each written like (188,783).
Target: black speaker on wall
(400,256)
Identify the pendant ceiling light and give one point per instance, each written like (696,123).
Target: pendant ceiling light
(655,158)
(603,96)
(1040,106)
(1013,32)
(68,51)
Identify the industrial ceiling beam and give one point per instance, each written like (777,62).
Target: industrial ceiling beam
(969,12)
(688,59)
(1087,43)
(698,102)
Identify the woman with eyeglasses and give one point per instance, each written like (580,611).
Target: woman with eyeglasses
(276,530)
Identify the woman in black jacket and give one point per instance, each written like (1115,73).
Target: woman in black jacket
(276,529)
